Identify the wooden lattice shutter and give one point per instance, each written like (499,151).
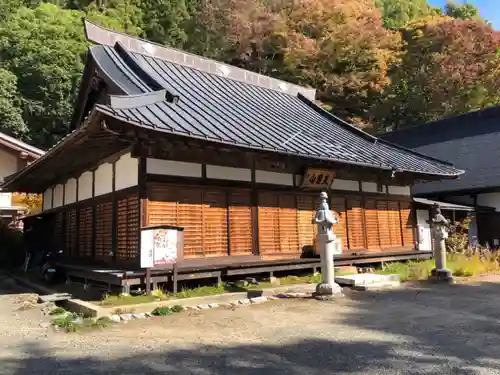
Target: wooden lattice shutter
(85,232)
(371,220)
(305,213)
(103,231)
(190,217)
(383,224)
(240,223)
(394,224)
(214,223)
(127,228)
(70,229)
(289,236)
(268,216)
(59,231)
(337,204)
(355,224)
(162,205)
(407,223)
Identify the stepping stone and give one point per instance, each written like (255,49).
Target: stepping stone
(258,299)
(365,279)
(115,318)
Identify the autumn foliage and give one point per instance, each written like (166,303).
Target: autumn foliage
(378,63)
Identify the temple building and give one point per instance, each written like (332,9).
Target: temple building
(237,159)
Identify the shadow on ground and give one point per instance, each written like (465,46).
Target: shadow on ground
(458,322)
(306,357)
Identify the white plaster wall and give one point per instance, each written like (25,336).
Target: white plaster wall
(103,179)
(5,199)
(489,200)
(173,168)
(229,173)
(47,199)
(58,196)
(126,172)
(85,186)
(423,231)
(70,191)
(274,178)
(399,190)
(370,187)
(350,185)
(8,163)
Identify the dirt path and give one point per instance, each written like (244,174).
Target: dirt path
(418,330)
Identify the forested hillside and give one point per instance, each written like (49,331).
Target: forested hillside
(378,63)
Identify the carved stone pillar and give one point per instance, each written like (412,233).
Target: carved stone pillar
(325,245)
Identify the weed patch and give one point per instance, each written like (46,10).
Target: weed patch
(167,310)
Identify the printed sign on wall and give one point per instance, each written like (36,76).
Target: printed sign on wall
(317,178)
(158,247)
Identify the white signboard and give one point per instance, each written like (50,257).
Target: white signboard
(158,247)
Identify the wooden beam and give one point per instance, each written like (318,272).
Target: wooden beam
(255,213)
(93,215)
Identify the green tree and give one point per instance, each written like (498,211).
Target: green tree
(44,50)
(396,13)
(464,11)
(11,119)
(450,67)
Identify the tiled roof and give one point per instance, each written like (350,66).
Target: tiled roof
(201,104)
(20,146)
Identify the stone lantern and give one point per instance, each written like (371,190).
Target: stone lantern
(439,227)
(325,243)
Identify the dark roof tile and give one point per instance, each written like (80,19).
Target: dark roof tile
(228,111)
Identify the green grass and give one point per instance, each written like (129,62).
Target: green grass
(202,291)
(459,264)
(77,322)
(57,311)
(166,310)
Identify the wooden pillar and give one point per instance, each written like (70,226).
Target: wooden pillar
(77,220)
(114,218)
(255,213)
(93,215)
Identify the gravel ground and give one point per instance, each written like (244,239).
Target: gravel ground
(422,329)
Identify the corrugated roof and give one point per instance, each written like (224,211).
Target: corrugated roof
(219,109)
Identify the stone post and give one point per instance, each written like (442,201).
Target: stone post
(325,242)
(439,227)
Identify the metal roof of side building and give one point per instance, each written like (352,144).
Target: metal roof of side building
(20,146)
(469,141)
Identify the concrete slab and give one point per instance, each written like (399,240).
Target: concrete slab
(361,279)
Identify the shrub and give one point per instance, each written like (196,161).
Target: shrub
(166,310)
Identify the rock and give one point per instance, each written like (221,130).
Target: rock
(245,301)
(258,299)
(26,305)
(234,304)
(213,305)
(274,281)
(126,317)
(78,321)
(44,325)
(281,295)
(272,298)
(192,308)
(148,315)
(115,318)
(241,283)
(251,280)
(203,306)
(54,297)
(139,316)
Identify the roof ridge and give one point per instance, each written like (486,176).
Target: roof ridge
(101,35)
